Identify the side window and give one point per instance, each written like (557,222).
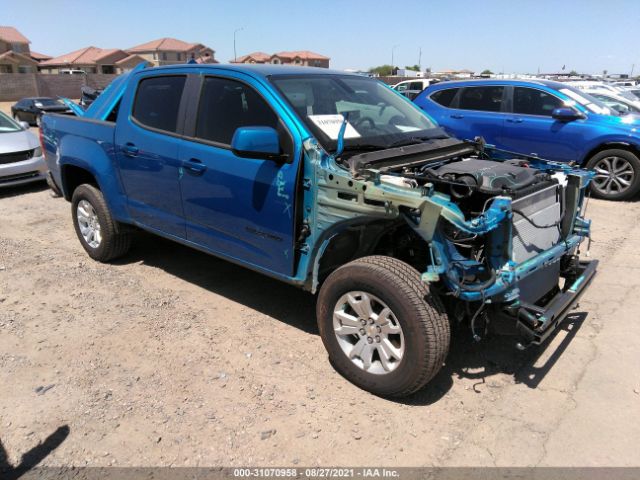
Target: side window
(415,86)
(486,99)
(226,105)
(444,97)
(531,101)
(402,87)
(158,100)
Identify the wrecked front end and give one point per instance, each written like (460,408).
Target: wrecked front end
(498,240)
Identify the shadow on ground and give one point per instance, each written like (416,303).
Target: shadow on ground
(467,358)
(33,457)
(7,192)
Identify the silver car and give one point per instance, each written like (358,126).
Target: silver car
(21,159)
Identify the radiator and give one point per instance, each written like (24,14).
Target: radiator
(541,208)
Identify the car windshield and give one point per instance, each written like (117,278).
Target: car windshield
(8,125)
(376,116)
(590,103)
(46,102)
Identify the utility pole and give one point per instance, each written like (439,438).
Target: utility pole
(393,49)
(420,59)
(633,67)
(235,55)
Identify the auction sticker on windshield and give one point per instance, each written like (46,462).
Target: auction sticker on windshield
(330,125)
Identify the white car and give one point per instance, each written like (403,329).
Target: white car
(21,159)
(411,88)
(615,101)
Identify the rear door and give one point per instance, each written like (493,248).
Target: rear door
(478,111)
(242,208)
(530,128)
(150,121)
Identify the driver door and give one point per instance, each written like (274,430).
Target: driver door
(241,208)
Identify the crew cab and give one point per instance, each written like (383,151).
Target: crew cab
(336,184)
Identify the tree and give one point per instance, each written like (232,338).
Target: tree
(573,73)
(382,70)
(415,68)
(487,72)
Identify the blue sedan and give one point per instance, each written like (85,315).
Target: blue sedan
(547,119)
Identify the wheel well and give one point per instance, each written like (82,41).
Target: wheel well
(389,238)
(609,146)
(73,177)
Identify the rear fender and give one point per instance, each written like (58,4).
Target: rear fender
(95,158)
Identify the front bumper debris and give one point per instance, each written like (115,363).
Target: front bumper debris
(537,323)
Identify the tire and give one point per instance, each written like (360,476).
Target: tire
(111,242)
(424,326)
(628,167)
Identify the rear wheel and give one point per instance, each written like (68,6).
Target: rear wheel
(617,174)
(98,232)
(382,329)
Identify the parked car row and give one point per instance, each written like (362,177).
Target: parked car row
(32,109)
(21,159)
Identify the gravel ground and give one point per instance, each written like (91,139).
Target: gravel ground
(172,357)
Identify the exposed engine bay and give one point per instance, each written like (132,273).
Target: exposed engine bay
(497,237)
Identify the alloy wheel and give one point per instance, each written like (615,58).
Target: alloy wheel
(89,224)
(368,332)
(614,175)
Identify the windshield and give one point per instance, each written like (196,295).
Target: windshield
(46,102)
(377,117)
(592,104)
(8,125)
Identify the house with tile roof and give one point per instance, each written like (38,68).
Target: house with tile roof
(15,55)
(298,57)
(92,60)
(170,51)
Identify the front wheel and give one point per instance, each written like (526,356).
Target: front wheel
(617,174)
(99,234)
(382,329)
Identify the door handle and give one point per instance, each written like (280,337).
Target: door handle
(514,120)
(130,150)
(194,166)
(457,115)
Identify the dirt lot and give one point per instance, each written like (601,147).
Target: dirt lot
(172,357)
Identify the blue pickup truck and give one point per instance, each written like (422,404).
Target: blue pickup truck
(336,184)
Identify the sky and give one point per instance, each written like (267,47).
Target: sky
(511,36)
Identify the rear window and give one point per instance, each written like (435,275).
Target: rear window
(486,99)
(444,97)
(158,100)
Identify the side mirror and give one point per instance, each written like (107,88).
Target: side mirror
(24,125)
(566,114)
(257,142)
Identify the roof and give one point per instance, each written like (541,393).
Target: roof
(263,69)
(15,57)
(265,57)
(303,54)
(497,81)
(11,35)
(39,56)
(167,44)
(257,56)
(129,58)
(84,56)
